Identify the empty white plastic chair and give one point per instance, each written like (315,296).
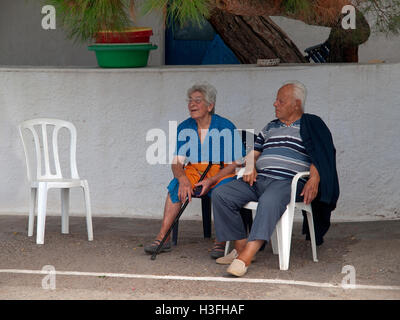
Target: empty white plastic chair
(282,237)
(41,182)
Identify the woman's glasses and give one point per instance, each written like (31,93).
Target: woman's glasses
(195,100)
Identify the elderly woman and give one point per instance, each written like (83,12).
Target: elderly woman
(196,144)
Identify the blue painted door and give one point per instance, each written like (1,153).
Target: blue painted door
(196,45)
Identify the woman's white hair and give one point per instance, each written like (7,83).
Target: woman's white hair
(207,90)
(299,91)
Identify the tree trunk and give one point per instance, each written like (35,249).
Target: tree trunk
(254,37)
(241,16)
(320,12)
(344,43)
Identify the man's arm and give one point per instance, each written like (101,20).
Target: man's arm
(250,172)
(310,189)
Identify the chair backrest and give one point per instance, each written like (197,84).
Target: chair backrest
(318,53)
(40,128)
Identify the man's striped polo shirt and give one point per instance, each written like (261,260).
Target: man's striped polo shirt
(283,154)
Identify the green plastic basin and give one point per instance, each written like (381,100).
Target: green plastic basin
(122,55)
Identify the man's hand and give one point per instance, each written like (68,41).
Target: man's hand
(250,175)
(310,189)
(185,189)
(250,172)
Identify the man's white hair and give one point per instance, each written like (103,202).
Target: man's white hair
(299,91)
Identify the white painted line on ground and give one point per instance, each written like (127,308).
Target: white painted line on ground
(215,279)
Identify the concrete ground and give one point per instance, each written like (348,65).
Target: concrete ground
(114,265)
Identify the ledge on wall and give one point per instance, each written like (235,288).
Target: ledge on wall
(233,67)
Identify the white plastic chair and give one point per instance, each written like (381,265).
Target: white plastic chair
(282,236)
(41,183)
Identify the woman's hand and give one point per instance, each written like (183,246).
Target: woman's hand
(206,186)
(185,189)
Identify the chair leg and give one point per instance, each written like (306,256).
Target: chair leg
(227,245)
(88,206)
(274,242)
(41,219)
(284,231)
(206,213)
(32,205)
(312,235)
(247,217)
(64,210)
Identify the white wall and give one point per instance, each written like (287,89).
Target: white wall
(25,42)
(114,109)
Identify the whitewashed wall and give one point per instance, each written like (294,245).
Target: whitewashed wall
(114,109)
(25,42)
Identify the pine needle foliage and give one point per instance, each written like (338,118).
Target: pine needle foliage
(387,13)
(180,11)
(82,19)
(296,6)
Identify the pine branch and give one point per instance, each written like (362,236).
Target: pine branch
(83,19)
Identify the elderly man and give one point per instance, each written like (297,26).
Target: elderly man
(292,143)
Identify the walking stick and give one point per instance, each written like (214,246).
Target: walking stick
(153,256)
